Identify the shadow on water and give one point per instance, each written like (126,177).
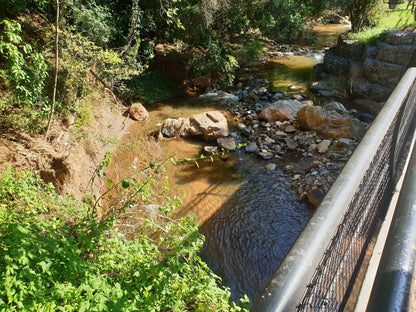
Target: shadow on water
(249,235)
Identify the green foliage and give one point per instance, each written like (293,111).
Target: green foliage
(81,56)
(252,51)
(25,69)
(217,63)
(13,7)
(23,77)
(282,19)
(151,87)
(55,257)
(94,22)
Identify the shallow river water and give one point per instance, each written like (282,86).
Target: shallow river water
(249,216)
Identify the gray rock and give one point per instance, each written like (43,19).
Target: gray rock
(383,73)
(297,97)
(266,155)
(271,167)
(277,96)
(251,147)
(210,149)
(176,128)
(315,196)
(292,106)
(312,148)
(290,129)
(336,106)
(226,143)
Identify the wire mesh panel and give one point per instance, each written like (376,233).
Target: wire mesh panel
(319,272)
(335,275)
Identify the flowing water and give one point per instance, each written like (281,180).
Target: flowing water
(249,215)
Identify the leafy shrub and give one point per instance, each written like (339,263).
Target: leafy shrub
(216,62)
(55,256)
(282,19)
(81,57)
(25,69)
(253,51)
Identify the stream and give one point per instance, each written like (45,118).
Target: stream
(250,216)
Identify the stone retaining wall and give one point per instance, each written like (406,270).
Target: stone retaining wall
(371,71)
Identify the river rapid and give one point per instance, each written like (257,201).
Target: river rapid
(250,216)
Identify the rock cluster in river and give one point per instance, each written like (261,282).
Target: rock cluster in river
(305,143)
(310,144)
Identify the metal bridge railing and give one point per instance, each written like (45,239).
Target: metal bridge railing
(321,268)
(393,285)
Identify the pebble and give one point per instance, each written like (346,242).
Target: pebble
(323,146)
(290,129)
(266,155)
(271,167)
(288,168)
(210,149)
(315,164)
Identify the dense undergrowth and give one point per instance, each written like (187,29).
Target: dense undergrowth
(56,256)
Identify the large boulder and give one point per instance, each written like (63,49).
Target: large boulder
(281,110)
(329,123)
(209,125)
(271,115)
(176,128)
(138,112)
(292,106)
(309,117)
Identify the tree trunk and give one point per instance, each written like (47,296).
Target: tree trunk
(56,68)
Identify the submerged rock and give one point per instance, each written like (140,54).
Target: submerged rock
(227,143)
(271,167)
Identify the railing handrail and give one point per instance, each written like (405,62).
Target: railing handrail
(395,274)
(288,284)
